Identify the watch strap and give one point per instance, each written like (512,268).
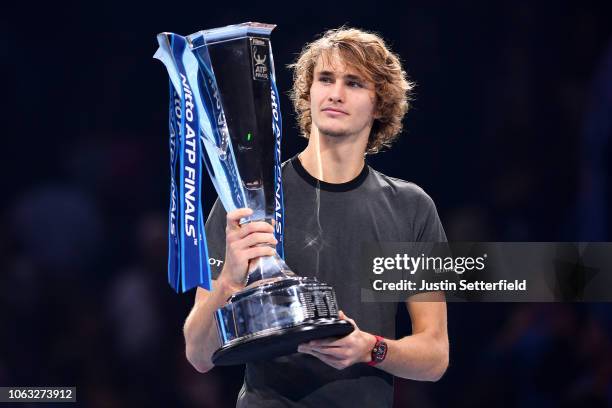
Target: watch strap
(379,351)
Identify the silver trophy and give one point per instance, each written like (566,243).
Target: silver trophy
(224,80)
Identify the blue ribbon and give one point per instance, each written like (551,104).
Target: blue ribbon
(277,128)
(188,256)
(197,122)
(173,213)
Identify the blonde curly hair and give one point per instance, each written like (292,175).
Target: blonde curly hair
(368,54)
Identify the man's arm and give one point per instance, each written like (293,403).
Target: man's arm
(422,356)
(201,339)
(243,243)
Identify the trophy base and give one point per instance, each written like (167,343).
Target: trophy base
(271,318)
(279,342)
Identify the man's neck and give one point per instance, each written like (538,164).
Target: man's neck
(332,160)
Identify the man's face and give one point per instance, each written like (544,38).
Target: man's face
(342,101)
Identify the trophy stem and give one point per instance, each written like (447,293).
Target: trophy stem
(267,268)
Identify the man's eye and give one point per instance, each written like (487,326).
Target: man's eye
(355,84)
(326,80)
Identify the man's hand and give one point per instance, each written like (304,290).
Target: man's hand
(342,353)
(243,243)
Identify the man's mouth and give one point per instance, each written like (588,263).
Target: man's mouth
(334,110)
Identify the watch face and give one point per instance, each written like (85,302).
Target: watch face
(379,352)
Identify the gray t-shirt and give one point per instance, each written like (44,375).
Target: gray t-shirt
(325,225)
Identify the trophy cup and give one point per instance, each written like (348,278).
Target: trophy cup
(224,112)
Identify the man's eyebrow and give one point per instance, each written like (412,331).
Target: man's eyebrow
(350,77)
(353,77)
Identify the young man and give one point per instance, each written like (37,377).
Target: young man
(350,94)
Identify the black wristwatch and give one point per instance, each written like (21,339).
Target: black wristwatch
(379,352)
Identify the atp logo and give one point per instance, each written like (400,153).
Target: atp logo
(258,59)
(259,52)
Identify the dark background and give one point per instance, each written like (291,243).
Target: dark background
(509,134)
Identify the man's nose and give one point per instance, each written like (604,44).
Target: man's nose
(336,93)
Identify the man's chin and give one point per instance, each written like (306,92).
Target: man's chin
(332,132)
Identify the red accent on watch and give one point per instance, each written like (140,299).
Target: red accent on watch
(379,352)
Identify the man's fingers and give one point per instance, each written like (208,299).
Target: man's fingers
(251,227)
(256,252)
(342,316)
(303,348)
(329,342)
(322,354)
(234,217)
(331,360)
(255,238)
(331,352)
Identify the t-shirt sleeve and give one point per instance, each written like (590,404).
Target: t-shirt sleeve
(215,238)
(429,227)
(428,232)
